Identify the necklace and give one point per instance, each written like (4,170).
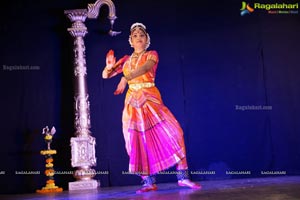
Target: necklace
(134,55)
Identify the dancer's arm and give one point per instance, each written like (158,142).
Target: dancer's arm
(111,71)
(112,67)
(141,70)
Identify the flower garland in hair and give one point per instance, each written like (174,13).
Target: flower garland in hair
(137,24)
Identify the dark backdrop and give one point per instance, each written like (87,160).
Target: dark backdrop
(212,61)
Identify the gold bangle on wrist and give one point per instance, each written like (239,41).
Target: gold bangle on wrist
(107,70)
(127,77)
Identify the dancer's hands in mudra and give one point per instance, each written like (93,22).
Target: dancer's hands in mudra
(110,64)
(110,60)
(121,86)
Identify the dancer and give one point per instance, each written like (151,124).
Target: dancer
(153,137)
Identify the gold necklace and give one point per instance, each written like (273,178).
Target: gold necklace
(138,60)
(136,55)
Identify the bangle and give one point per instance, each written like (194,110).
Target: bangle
(128,77)
(108,70)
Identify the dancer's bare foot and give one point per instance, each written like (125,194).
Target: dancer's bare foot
(189,183)
(147,188)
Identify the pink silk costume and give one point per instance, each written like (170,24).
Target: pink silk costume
(153,137)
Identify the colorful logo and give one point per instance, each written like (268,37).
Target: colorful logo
(246,9)
(270,8)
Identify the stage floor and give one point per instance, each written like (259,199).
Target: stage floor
(271,188)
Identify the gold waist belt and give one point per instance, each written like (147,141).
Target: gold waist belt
(137,86)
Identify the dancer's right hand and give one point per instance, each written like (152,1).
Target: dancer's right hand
(110,59)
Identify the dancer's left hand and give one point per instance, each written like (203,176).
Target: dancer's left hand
(121,86)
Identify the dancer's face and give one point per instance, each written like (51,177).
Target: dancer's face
(138,38)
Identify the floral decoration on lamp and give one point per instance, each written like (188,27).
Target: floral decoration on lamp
(49,171)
